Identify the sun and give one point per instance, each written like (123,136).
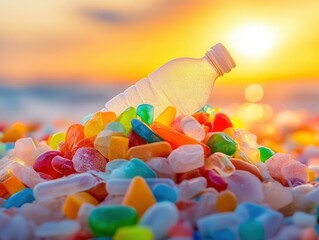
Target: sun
(253,40)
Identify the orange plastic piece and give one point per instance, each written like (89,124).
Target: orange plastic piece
(242,165)
(3,192)
(226,201)
(74,201)
(147,151)
(13,184)
(175,138)
(167,116)
(97,123)
(118,147)
(14,132)
(139,196)
(99,192)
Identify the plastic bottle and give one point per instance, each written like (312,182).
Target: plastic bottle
(185,83)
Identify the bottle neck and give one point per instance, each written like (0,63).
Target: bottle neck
(220,59)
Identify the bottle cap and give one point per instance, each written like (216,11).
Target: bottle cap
(220,58)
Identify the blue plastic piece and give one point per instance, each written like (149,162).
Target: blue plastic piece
(251,230)
(270,219)
(134,167)
(224,234)
(146,113)
(86,118)
(162,192)
(20,198)
(115,127)
(145,131)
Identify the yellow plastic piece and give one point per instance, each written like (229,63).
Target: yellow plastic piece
(226,201)
(97,123)
(74,201)
(147,151)
(13,184)
(139,196)
(311,175)
(118,147)
(167,116)
(133,233)
(56,139)
(13,133)
(102,141)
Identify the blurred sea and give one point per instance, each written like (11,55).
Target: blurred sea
(45,103)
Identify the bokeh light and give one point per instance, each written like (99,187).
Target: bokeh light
(254,93)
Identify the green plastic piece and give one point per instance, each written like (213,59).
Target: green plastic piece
(221,142)
(251,230)
(265,153)
(126,117)
(133,233)
(207,108)
(146,113)
(105,220)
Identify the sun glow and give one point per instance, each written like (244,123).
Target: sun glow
(253,40)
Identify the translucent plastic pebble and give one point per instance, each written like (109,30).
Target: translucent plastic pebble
(14,132)
(56,139)
(74,201)
(74,135)
(177,83)
(246,186)
(303,219)
(215,181)
(251,230)
(86,159)
(162,192)
(221,142)
(175,138)
(221,122)
(220,163)
(66,229)
(146,113)
(265,153)
(210,225)
(271,220)
(126,117)
(64,186)
(115,127)
(26,174)
(144,131)
(190,188)
(20,198)
(43,164)
(226,201)
(24,149)
(276,162)
(104,221)
(147,151)
(139,196)
(134,167)
(133,233)
(277,196)
(162,167)
(63,165)
(186,158)
(102,141)
(97,123)
(160,218)
(167,116)
(118,147)
(13,184)
(120,186)
(245,166)
(191,127)
(295,170)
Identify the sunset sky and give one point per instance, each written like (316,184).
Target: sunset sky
(123,41)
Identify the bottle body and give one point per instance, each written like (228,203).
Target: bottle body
(185,83)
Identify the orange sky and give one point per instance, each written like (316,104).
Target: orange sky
(109,41)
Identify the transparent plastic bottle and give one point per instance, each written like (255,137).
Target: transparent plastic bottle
(185,83)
